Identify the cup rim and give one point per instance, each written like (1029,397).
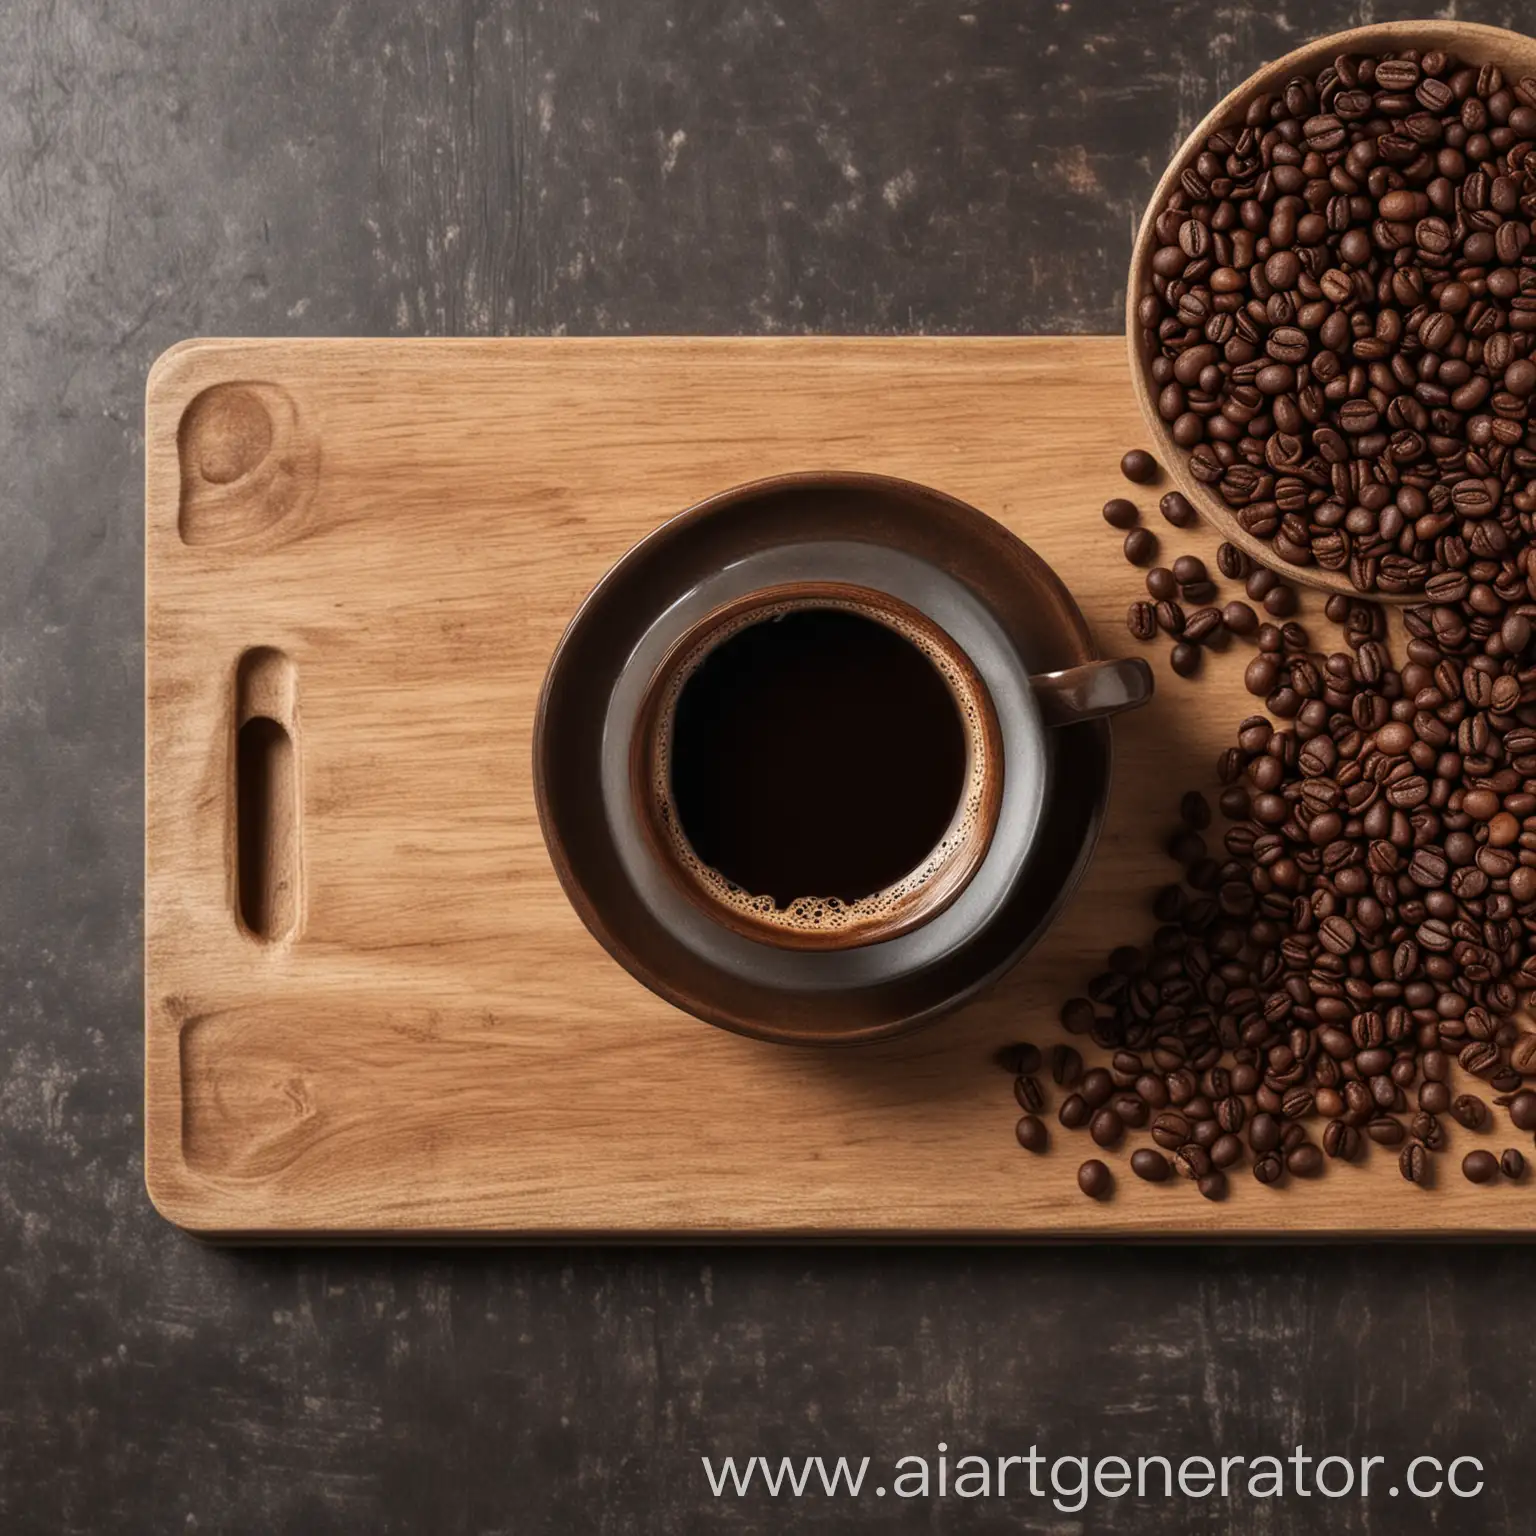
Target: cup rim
(899,910)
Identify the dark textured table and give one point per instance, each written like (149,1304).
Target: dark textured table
(308,167)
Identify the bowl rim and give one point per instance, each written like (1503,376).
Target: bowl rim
(1477,43)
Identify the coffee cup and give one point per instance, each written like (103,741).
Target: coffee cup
(818,765)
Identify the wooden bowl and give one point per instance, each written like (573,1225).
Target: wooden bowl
(1472,43)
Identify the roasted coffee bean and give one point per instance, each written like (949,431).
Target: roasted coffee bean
(1203,627)
(1512,1163)
(1184,658)
(1232,562)
(1480,1166)
(1189,569)
(1141,620)
(1074,1111)
(1385,1131)
(1140,546)
(1280,601)
(1120,513)
(1522,1110)
(1413,1163)
(1032,1134)
(1066,1066)
(1305,1161)
(1269,1169)
(1027,1091)
(1192,1161)
(1177,509)
(1095,1180)
(1170,618)
(1239,618)
(1470,1111)
(1149,1165)
(1107,1128)
(1023,1059)
(1341,1140)
(1162,584)
(1139,467)
(1213,1185)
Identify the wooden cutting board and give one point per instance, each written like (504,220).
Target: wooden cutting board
(398,1027)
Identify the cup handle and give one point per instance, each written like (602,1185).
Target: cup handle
(1093,690)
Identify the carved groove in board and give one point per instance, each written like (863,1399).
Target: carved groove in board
(267,799)
(249,466)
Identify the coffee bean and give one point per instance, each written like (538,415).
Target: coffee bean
(1305,1161)
(1480,1166)
(1162,584)
(1120,513)
(1470,1111)
(1184,658)
(1522,1110)
(1095,1180)
(1032,1134)
(1149,1165)
(1192,1161)
(1178,511)
(1203,626)
(1027,1091)
(1074,1111)
(1022,1059)
(1280,601)
(1141,546)
(1239,618)
(1413,1163)
(1188,569)
(1170,618)
(1213,1185)
(1066,1066)
(1139,467)
(1522,1055)
(1107,1128)
(1269,1169)
(1232,562)
(1341,1140)
(1512,1163)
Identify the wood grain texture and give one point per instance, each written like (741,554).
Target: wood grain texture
(440,1049)
(1472,42)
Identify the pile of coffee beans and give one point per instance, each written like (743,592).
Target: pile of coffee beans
(1341,314)
(1347,965)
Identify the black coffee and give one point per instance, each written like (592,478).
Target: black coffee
(817,753)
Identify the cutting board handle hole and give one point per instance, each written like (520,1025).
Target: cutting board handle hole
(267,795)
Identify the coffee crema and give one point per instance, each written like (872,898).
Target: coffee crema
(820,765)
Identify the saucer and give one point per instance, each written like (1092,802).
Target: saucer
(734,982)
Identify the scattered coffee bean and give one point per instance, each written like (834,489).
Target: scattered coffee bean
(1095,1180)
(1170,618)
(1512,1163)
(1032,1134)
(1141,620)
(1024,1058)
(1188,569)
(1184,658)
(1162,584)
(1305,1161)
(1139,467)
(1213,1185)
(1120,513)
(1269,1169)
(1074,1111)
(1150,1165)
(1239,618)
(1141,546)
(1280,601)
(1195,811)
(1480,1166)
(1232,562)
(1027,1091)
(1413,1163)
(1261,581)
(1107,1128)
(1522,1110)
(1204,627)
(1470,1112)
(1178,511)
(1066,1066)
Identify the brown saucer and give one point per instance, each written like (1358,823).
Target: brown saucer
(1025,597)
